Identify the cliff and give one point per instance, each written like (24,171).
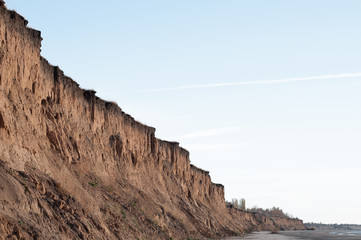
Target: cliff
(73,166)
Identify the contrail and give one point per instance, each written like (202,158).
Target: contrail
(209,132)
(215,85)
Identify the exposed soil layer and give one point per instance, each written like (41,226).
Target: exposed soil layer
(73,166)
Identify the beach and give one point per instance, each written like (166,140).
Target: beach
(323,235)
(294,235)
(262,236)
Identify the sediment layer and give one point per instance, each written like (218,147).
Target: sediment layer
(73,166)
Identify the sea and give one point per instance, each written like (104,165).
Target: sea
(346,233)
(306,235)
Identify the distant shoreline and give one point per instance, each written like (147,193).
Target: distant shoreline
(322,235)
(327,227)
(296,235)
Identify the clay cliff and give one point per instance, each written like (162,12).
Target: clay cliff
(73,166)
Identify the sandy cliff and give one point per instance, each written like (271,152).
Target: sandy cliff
(73,166)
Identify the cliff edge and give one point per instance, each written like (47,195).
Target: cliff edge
(73,166)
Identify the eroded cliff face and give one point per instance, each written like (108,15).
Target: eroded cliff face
(73,166)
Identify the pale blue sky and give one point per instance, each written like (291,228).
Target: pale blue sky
(292,144)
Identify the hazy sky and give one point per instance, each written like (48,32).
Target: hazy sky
(266,95)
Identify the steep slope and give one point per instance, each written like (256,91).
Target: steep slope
(73,166)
